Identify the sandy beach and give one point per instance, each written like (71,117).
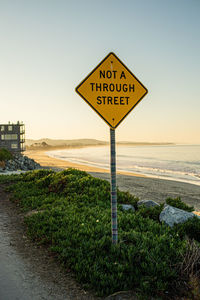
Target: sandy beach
(43,159)
(141,186)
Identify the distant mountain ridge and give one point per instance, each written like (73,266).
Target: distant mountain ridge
(60,142)
(46,142)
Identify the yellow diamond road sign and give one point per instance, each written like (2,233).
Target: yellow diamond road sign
(112,90)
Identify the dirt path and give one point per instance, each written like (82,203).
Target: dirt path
(28,272)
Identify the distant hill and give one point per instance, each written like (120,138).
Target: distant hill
(51,143)
(46,143)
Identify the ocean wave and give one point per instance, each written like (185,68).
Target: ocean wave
(158,165)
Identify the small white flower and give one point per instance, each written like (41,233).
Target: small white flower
(97,221)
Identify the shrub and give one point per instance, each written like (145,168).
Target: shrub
(150,212)
(81,186)
(178,203)
(143,258)
(126,198)
(74,220)
(5,154)
(36,174)
(10,178)
(191,229)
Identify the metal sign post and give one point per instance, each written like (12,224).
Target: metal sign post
(112,91)
(113,187)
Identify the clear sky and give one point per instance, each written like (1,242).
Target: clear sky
(48,46)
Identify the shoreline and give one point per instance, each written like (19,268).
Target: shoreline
(44,160)
(143,187)
(41,156)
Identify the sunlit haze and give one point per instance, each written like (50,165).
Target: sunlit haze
(48,47)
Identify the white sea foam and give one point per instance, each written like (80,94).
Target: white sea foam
(172,162)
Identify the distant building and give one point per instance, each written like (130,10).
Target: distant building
(12,137)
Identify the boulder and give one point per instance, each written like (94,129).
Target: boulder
(21,162)
(123,295)
(147,203)
(171,215)
(128,207)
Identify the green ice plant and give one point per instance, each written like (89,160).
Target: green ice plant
(73,220)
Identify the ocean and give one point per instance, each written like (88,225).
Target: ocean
(172,162)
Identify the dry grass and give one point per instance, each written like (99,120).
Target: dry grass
(189,270)
(2,164)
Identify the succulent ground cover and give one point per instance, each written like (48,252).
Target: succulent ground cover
(5,154)
(73,219)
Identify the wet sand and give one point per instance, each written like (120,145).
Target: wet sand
(141,186)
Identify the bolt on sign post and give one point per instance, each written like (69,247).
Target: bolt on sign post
(112,91)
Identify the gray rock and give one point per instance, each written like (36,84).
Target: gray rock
(128,207)
(21,162)
(123,295)
(147,203)
(172,215)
